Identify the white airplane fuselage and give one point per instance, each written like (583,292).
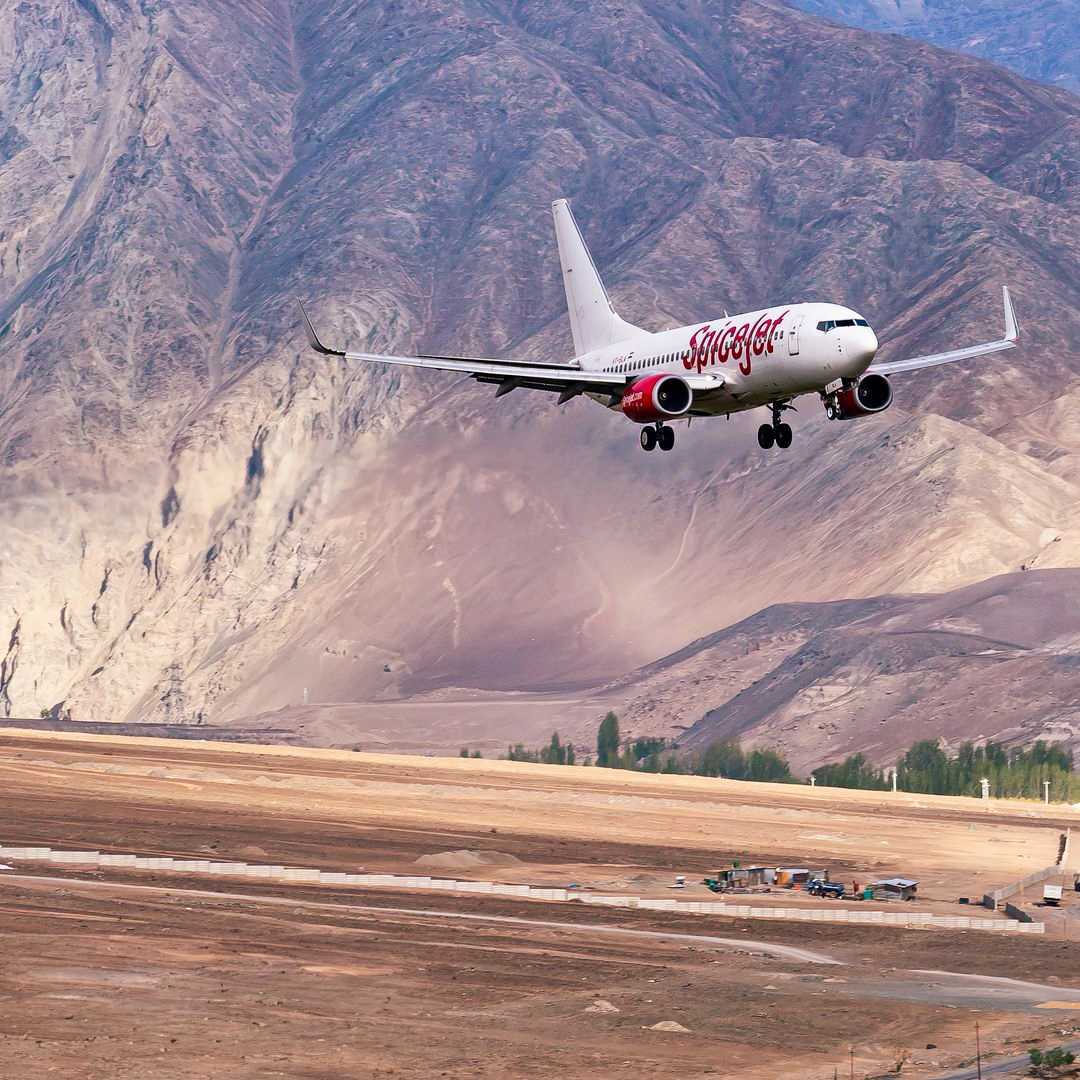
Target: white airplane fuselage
(710,368)
(758,357)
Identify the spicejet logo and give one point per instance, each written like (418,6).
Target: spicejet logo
(742,343)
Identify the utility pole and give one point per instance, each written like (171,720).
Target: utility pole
(853,1063)
(978,1051)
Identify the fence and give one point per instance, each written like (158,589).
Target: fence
(308,875)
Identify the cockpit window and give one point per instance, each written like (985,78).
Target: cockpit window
(831,324)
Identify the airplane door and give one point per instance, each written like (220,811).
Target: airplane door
(793,339)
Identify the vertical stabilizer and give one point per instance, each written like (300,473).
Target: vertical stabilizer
(592,318)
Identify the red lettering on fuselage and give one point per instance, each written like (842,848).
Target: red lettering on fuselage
(734,341)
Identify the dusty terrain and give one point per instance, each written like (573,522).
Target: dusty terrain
(137,975)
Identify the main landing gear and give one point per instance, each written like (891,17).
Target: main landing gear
(661,436)
(776,433)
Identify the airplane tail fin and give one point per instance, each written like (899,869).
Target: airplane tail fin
(592,318)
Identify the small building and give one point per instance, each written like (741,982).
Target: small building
(746,877)
(790,876)
(894,888)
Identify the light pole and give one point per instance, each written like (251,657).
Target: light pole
(978,1051)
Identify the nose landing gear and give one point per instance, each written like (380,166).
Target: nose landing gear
(661,436)
(777,433)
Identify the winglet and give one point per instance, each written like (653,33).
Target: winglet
(313,338)
(1012,329)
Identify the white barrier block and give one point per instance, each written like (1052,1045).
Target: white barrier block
(116,860)
(332,878)
(288,873)
(74,856)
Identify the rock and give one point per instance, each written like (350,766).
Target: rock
(670,1025)
(601,1006)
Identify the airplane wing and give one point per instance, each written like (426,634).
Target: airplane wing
(1012,332)
(565,379)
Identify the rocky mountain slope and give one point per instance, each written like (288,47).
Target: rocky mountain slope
(206,521)
(1040,40)
(1000,659)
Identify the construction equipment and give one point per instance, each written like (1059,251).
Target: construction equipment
(830,889)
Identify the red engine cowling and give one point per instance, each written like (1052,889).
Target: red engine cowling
(871,394)
(656,397)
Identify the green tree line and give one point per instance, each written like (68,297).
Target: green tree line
(926,768)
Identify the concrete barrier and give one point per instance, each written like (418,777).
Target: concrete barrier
(1019,921)
(116,860)
(1019,914)
(88,858)
(995,899)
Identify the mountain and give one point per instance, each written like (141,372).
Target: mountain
(1000,659)
(205,521)
(1040,41)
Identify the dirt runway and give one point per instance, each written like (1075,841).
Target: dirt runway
(118,974)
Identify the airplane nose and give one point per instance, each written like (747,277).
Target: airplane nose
(864,346)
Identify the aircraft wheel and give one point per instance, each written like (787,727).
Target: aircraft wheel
(666,437)
(783,436)
(648,438)
(766,436)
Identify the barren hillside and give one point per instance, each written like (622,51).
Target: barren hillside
(203,520)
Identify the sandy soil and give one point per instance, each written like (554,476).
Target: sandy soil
(137,975)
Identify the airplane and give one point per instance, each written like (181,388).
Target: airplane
(723,365)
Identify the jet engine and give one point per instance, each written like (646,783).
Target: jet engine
(871,394)
(656,398)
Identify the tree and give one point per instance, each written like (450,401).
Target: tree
(724,758)
(1046,1062)
(607,742)
(554,753)
(767,765)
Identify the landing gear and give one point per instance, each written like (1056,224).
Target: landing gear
(661,436)
(776,433)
